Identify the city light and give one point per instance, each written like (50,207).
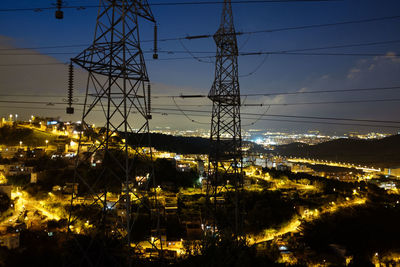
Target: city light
(282,150)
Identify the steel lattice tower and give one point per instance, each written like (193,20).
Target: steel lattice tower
(225,159)
(117,86)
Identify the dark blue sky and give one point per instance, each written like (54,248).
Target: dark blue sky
(279,73)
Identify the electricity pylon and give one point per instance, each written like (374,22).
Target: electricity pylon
(225,158)
(118,157)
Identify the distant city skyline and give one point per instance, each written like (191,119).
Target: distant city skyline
(259,74)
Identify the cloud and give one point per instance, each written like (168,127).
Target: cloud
(25,71)
(324,77)
(378,70)
(371,67)
(392,56)
(303,89)
(6,42)
(353,73)
(52,79)
(43,75)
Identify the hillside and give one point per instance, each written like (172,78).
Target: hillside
(186,145)
(382,152)
(12,135)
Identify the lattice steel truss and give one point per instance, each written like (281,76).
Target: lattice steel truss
(225,158)
(117,86)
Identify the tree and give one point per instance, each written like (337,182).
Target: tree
(5,202)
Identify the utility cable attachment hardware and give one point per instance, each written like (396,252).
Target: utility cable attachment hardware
(70,109)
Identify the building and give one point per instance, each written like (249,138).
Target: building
(261,162)
(6,189)
(10,240)
(171,205)
(247,181)
(15,169)
(36,153)
(183,167)
(301,168)
(194,231)
(36,176)
(8,151)
(282,167)
(70,188)
(200,167)
(395,171)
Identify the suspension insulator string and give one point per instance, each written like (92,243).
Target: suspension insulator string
(155,55)
(70,109)
(149,101)
(59,13)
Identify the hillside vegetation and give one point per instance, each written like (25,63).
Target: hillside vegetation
(381,153)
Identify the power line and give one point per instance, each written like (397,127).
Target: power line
(239,2)
(74,53)
(245,95)
(255,53)
(256,68)
(293,93)
(333,123)
(30,108)
(300,103)
(288,116)
(325,102)
(36,102)
(325,118)
(202,36)
(303,27)
(246,105)
(207,52)
(298,92)
(328,91)
(323,54)
(37,95)
(80,7)
(32,64)
(314,103)
(192,53)
(299,121)
(259,118)
(185,111)
(44,47)
(203,52)
(178,107)
(344,46)
(246,118)
(286,53)
(240,54)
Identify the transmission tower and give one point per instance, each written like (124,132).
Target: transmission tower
(117,157)
(225,158)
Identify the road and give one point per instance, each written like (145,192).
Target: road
(334,164)
(292,225)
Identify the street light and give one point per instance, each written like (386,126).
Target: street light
(20,143)
(47,142)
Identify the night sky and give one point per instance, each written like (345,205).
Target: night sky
(260,74)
